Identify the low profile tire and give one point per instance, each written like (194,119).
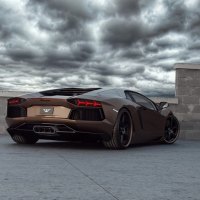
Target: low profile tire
(122,132)
(172,129)
(21,139)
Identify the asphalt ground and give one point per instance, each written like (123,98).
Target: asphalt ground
(72,171)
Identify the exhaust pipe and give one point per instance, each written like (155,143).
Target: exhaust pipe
(44,129)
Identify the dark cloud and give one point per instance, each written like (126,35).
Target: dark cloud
(122,32)
(135,51)
(120,43)
(21,54)
(71,12)
(175,18)
(9,26)
(127,7)
(122,71)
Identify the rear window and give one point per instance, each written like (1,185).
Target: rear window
(112,93)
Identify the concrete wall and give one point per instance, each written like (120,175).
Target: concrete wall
(4,95)
(2,113)
(188,94)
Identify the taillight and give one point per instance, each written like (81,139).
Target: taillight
(15,101)
(85,103)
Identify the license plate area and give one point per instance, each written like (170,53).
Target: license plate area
(46,110)
(58,112)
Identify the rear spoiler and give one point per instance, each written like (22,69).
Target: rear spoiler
(68,91)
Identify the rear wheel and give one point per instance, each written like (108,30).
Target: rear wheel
(21,139)
(171,130)
(122,133)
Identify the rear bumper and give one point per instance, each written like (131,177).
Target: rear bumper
(61,136)
(75,129)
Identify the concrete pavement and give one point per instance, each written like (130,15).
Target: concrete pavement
(59,170)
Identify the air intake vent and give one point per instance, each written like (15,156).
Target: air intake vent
(88,114)
(15,111)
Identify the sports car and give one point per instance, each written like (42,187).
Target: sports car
(116,117)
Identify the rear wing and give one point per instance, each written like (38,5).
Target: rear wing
(68,91)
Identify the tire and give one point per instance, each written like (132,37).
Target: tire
(172,130)
(21,139)
(122,132)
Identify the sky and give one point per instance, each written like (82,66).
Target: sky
(97,43)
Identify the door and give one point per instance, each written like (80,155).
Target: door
(152,122)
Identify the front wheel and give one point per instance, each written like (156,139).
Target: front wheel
(171,130)
(122,132)
(21,139)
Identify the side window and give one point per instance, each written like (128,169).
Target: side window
(141,100)
(128,96)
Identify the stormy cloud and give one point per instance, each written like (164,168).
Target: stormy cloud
(84,43)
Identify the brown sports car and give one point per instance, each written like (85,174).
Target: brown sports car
(117,117)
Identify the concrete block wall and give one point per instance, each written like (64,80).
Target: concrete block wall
(3,110)
(4,95)
(188,94)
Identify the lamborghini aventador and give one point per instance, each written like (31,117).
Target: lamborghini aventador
(115,117)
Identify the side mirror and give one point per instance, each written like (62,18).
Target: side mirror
(163,105)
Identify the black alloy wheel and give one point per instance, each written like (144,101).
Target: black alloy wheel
(123,131)
(171,130)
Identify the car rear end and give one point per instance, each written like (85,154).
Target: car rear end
(58,117)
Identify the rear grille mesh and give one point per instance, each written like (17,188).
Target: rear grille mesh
(16,111)
(89,114)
